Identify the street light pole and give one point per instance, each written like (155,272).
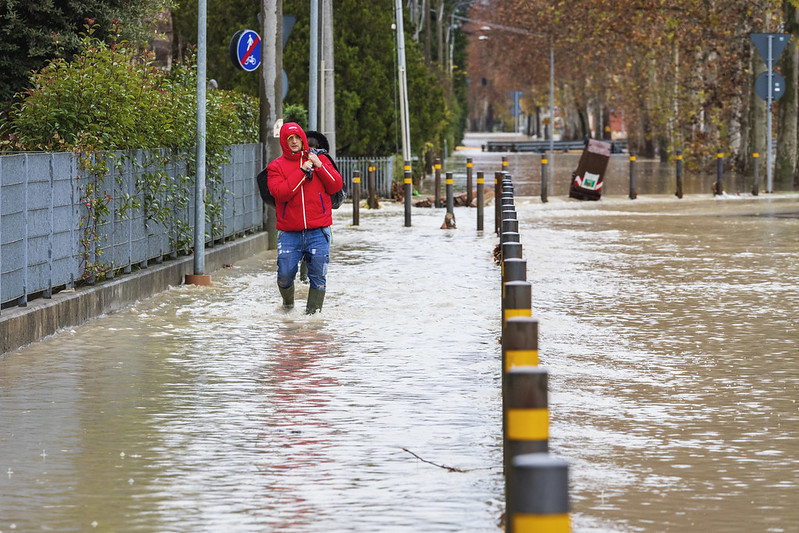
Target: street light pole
(403,85)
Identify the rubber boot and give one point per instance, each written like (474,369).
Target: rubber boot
(288,297)
(315,299)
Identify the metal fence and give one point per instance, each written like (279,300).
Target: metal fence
(44,216)
(384,174)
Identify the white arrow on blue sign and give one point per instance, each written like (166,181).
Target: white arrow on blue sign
(245,50)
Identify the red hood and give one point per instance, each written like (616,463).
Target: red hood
(287,130)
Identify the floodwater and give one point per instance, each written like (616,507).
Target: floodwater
(668,327)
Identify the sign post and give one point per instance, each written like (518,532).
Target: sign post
(769,86)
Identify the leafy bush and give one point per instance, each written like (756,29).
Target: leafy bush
(112,97)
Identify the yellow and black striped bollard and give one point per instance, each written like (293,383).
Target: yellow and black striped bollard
(408,193)
(437,184)
(539,495)
(356,197)
(469,171)
(480,201)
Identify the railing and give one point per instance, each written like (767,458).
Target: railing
(384,174)
(43,216)
(617,146)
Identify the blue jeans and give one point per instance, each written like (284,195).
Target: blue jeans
(311,246)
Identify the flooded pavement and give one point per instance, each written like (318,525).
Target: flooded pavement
(668,327)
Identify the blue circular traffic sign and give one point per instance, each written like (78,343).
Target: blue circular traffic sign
(245,50)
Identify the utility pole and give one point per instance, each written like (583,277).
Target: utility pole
(403,84)
(313,68)
(199,277)
(328,73)
(271,89)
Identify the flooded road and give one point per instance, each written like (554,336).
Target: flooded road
(668,327)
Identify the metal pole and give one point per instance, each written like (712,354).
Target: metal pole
(633,192)
(768,117)
(551,114)
(329,94)
(719,173)
(313,67)
(678,157)
(199,185)
(403,86)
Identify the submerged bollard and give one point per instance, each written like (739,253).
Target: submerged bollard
(356,197)
(678,161)
(372,184)
(633,192)
(511,250)
(512,269)
(718,188)
(469,166)
(539,495)
(755,183)
(408,193)
(450,198)
(509,225)
(520,338)
(437,185)
(544,163)
(516,302)
(480,201)
(497,201)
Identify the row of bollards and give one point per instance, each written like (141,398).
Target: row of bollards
(536,483)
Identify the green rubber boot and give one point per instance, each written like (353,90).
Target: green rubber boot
(288,297)
(315,299)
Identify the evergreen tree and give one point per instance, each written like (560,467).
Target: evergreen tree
(29,31)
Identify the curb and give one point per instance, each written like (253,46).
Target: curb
(42,317)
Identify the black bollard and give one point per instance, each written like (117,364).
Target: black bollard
(469,171)
(497,201)
(372,184)
(450,195)
(509,225)
(718,189)
(539,495)
(356,197)
(678,161)
(544,163)
(516,302)
(408,193)
(511,250)
(633,193)
(513,270)
(437,185)
(480,200)
(755,183)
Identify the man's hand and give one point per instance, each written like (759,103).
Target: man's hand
(315,160)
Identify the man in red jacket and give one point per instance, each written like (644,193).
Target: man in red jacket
(301,184)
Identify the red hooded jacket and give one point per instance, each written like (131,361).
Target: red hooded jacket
(301,204)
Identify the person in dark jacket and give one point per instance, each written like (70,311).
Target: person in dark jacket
(301,184)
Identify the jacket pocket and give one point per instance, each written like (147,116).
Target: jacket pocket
(322,201)
(283,214)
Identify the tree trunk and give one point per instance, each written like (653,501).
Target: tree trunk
(757,119)
(785,167)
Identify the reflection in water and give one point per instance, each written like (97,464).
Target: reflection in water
(668,327)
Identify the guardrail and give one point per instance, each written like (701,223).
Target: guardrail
(617,146)
(42,215)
